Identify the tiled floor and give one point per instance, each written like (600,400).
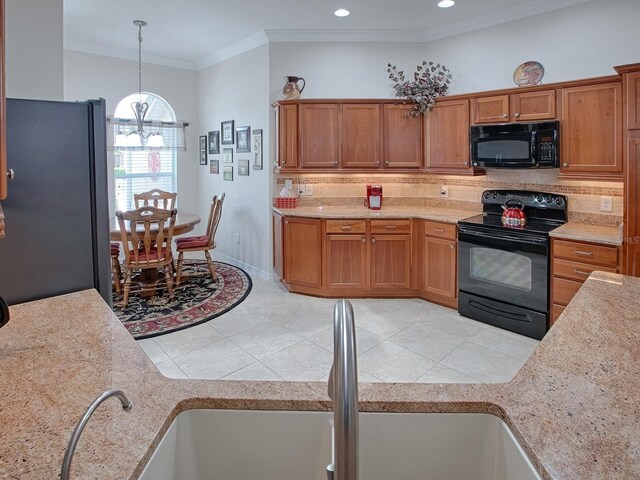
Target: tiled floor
(275,335)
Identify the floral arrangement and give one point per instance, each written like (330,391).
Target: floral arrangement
(430,81)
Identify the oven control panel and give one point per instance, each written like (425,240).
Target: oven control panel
(536,200)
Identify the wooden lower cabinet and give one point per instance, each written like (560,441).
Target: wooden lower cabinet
(390,261)
(303,251)
(278,243)
(346,261)
(440,268)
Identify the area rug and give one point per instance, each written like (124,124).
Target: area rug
(197,300)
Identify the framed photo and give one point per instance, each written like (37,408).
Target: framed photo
(227,155)
(243,135)
(203,150)
(227,132)
(243,168)
(227,173)
(214,142)
(256,141)
(214,167)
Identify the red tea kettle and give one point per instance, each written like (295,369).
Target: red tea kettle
(513,216)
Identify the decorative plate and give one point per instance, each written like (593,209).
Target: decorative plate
(529,73)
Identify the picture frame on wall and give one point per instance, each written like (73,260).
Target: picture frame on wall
(227,155)
(243,137)
(227,173)
(256,141)
(214,167)
(243,168)
(214,142)
(203,150)
(227,132)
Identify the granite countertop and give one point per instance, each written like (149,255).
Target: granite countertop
(573,406)
(448,215)
(589,233)
(1,222)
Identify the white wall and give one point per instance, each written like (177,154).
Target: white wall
(582,41)
(94,76)
(237,89)
(33,46)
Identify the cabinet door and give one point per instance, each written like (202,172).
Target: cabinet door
(3,110)
(440,267)
(390,261)
(361,136)
(490,109)
(633,101)
(528,107)
(346,261)
(303,251)
(402,138)
(632,209)
(278,239)
(319,136)
(288,136)
(592,129)
(447,137)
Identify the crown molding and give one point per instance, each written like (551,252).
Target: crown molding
(94,49)
(491,19)
(380,36)
(256,40)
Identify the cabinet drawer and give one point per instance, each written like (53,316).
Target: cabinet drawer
(391,226)
(556,311)
(576,270)
(346,226)
(442,230)
(586,252)
(564,290)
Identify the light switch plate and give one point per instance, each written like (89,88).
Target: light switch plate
(606,204)
(444,192)
(308,189)
(301,189)
(288,184)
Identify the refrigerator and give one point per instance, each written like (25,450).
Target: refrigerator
(56,210)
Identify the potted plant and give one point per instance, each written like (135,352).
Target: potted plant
(430,81)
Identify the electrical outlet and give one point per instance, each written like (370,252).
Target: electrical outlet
(301,189)
(606,204)
(444,192)
(237,237)
(288,184)
(308,189)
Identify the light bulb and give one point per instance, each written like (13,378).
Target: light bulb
(342,12)
(446,3)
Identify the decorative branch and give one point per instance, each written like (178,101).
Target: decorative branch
(430,81)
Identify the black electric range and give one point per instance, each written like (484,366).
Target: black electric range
(503,272)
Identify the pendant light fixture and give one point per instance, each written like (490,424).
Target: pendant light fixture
(138,137)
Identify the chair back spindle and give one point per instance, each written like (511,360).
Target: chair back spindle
(155,198)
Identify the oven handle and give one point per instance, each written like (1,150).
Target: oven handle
(523,238)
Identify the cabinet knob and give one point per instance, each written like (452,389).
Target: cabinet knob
(466,164)
(335,162)
(11,174)
(386,162)
(373,240)
(565,164)
(287,222)
(516,114)
(364,239)
(377,162)
(452,246)
(504,115)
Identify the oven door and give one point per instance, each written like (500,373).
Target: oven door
(505,266)
(503,149)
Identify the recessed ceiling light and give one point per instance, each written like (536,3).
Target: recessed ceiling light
(342,12)
(446,3)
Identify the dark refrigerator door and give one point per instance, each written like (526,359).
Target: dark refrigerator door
(56,213)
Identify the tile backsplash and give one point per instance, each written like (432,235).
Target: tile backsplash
(463,192)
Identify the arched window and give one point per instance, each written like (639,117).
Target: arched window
(141,169)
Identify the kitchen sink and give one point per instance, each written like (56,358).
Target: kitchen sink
(276,445)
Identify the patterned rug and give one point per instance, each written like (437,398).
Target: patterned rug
(197,300)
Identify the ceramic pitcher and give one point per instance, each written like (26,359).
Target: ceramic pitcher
(292,90)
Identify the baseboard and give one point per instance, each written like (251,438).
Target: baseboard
(250,269)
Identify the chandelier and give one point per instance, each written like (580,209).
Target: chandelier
(138,137)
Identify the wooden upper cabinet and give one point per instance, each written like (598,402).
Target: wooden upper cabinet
(318,134)
(303,251)
(490,109)
(402,138)
(519,107)
(447,136)
(287,136)
(633,101)
(533,106)
(361,135)
(3,111)
(591,130)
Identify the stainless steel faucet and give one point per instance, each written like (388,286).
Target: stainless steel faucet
(71,448)
(343,390)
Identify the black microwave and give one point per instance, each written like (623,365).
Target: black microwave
(515,145)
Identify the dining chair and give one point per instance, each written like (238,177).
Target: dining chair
(146,235)
(116,271)
(202,243)
(155,198)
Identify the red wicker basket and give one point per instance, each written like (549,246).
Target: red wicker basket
(281,202)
